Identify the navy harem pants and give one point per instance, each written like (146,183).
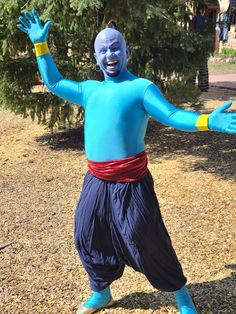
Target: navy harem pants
(118,224)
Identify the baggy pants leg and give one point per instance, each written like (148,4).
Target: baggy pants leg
(118,224)
(93,238)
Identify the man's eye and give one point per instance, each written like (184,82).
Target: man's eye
(103,51)
(115,48)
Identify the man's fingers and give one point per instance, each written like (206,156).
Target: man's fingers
(233,116)
(231,130)
(223,107)
(22,28)
(46,26)
(29,17)
(24,22)
(233,123)
(36,16)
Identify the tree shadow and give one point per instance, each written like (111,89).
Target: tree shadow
(218,93)
(224,85)
(216,297)
(214,152)
(70,139)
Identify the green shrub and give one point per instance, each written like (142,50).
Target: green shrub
(230,52)
(180,91)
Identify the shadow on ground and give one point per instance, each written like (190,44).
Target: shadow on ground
(214,152)
(216,297)
(72,139)
(225,85)
(218,93)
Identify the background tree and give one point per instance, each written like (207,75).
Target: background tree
(159,35)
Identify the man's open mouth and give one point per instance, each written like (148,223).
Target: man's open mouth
(112,63)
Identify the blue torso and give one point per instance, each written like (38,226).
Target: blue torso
(115,118)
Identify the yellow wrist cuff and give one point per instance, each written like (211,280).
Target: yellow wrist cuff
(202,122)
(41,49)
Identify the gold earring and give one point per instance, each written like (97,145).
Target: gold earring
(97,68)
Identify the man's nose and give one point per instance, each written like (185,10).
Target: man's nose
(109,53)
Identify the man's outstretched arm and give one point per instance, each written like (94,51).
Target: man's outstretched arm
(66,89)
(160,109)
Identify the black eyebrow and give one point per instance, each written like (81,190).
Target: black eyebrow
(115,43)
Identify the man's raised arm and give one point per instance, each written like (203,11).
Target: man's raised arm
(37,32)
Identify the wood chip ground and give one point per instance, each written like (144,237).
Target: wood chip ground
(194,173)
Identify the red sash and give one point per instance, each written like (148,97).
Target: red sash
(122,170)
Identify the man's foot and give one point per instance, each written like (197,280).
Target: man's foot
(185,302)
(97,301)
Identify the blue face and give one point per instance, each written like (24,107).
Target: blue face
(111,52)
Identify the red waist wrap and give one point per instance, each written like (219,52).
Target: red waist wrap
(122,170)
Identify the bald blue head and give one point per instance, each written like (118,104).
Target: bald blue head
(111,52)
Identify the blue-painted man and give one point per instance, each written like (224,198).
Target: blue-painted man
(117,220)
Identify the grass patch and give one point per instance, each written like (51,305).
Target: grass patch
(229,52)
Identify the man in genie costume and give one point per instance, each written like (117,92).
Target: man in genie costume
(117,219)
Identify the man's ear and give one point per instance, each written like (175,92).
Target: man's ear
(95,56)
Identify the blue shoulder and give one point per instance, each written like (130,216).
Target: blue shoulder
(88,87)
(143,84)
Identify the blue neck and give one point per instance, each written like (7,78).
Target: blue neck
(123,76)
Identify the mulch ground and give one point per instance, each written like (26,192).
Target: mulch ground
(40,184)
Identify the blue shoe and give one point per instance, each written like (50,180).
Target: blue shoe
(98,300)
(188,310)
(88,310)
(184,301)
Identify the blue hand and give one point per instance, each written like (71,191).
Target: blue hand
(222,121)
(32,26)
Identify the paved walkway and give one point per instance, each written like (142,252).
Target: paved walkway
(223,80)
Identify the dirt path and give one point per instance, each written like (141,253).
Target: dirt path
(223,80)
(39,186)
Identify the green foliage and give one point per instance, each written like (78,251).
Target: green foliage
(228,52)
(179,92)
(159,35)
